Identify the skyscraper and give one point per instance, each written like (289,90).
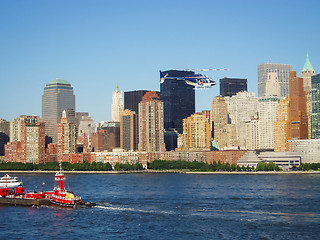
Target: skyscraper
(283,71)
(297,114)
(178,98)
(306,73)
(225,133)
(66,136)
(151,130)
(15,126)
(32,142)
(242,107)
(58,96)
(268,108)
(315,106)
(128,130)
(112,133)
(132,99)
(231,86)
(272,84)
(117,104)
(196,131)
(280,126)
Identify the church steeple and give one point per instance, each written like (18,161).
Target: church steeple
(307,66)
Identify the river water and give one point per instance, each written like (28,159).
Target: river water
(172,206)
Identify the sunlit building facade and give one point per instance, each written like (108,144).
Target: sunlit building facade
(117,104)
(128,130)
(268,108)
(297,112)
(66,137)
(196,131)
(58,96)
(224,132)
(280,126)
(151,125)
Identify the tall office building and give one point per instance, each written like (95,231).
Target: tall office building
(79,115)
(15,126)
(117,104)
(112,133)
(252,133)
(280,126)
(86,126)
(132,99)
(283,71)
(66,137)
(306,73)
(315,83)
(178,98)
(151,127)
(98,141)
(33,142)
(272,84)
(224,131)
(297,114)
(58,96)
(196,131)
(231,86)
(242,107)
(4,135)
(268,108)
(128,130)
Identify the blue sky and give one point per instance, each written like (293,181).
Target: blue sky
(97,44)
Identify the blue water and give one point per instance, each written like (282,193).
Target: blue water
(172,206)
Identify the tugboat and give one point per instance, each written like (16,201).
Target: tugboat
(58,197)
(9,182)
(64,198)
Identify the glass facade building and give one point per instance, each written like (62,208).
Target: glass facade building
(58,96)
(283,71)
(231,86)
(315,119)
(178,98)
(132,99)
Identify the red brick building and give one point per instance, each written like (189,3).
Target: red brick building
(151,123)
(297,114)
(13,151)
(98,141)
(225,156)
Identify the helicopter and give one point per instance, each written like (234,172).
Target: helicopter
(191,78)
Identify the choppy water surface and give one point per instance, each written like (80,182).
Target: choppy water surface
(173,206)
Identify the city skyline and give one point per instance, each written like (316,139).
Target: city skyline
(95,46)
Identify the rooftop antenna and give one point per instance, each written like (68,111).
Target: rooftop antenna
(269,59)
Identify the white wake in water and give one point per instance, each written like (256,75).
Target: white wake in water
(113,208)
(119,208)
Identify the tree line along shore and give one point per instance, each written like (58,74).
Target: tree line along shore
(157,165)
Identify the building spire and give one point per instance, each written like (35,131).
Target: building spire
(117,89)
(307,66)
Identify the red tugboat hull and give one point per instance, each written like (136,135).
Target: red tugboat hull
(76,205)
